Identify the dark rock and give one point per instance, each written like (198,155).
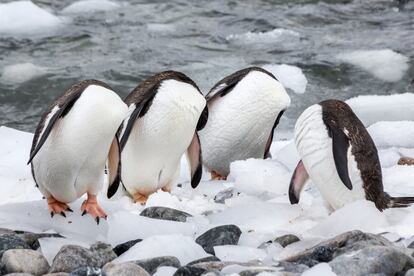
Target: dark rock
(189,271)
(330,249)
(32,239)
(372,260)
(124,269)
(151,265)
(11,241)
(88,271)
(411,245)
(165,213)
(221,235)
(204,260)
(292,267)
(285,240)
(102,253)
(24,260)
(223,195)
(123,247)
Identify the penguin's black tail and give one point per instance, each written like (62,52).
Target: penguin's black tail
(400,202)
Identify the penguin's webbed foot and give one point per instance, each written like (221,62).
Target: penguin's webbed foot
(91,206)
(216,176)
(57,207)
(140,198)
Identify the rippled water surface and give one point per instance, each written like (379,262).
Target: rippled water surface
(206,40)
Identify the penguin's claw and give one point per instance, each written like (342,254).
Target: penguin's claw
(57,207)
(139,198)
(91,206)
(216,176)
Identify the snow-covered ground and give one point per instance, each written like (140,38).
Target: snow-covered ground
(259,206)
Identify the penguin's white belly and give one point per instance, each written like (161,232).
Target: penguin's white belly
(238,128)
(151,157)
(72,159)
(315,148)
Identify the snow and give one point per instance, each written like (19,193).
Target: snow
(373,108)
(165,271)
(319,270)
(21,72)
(384,64)
(276,35)
(259,205)
(25,18)
(290,76)
(228,253)
(87,6)
(178,245)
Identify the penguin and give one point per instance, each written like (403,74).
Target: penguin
(166,111)
(73,140)
(339,156)
(244,110)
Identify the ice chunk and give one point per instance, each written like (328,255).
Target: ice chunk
(384,64)
(375,108)
(288,156)
(256,176)
(397,134)
(319,269)
(165,271)
(236,253)
(86,6)
(21,72)
(51,246)
(290,76)
(178,245)
(265,37)
(24,17)
(370,220)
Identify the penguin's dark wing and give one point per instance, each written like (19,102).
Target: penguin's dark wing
(297,182)
(58,110)
(114,167)
(202,121)
(227,84)
(269,141)
(340,145)
(194,158)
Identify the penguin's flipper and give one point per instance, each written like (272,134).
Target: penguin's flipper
(59,111)
(194,159)
(340,146)
(297,182)
(114,167)
(270,140)
(202,121)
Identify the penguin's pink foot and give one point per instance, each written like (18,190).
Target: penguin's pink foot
(91,206)
(57,207)
(216,176)
(139,198)
(406,161)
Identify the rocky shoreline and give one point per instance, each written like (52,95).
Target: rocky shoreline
(351,253)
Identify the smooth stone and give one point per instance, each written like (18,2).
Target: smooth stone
(292,267)
(165,213)
(71,257)
(371,260)
(124,269)
(189,271)
(124,247)
(57,274)
(410,272)
(24,260)
(151,265)
(87,271)
(103,253)
(332,248)
(221,235)
(204,260)
(223,195)
(285,240)
(11,241)
(19,274)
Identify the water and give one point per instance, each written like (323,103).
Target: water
(200,38)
